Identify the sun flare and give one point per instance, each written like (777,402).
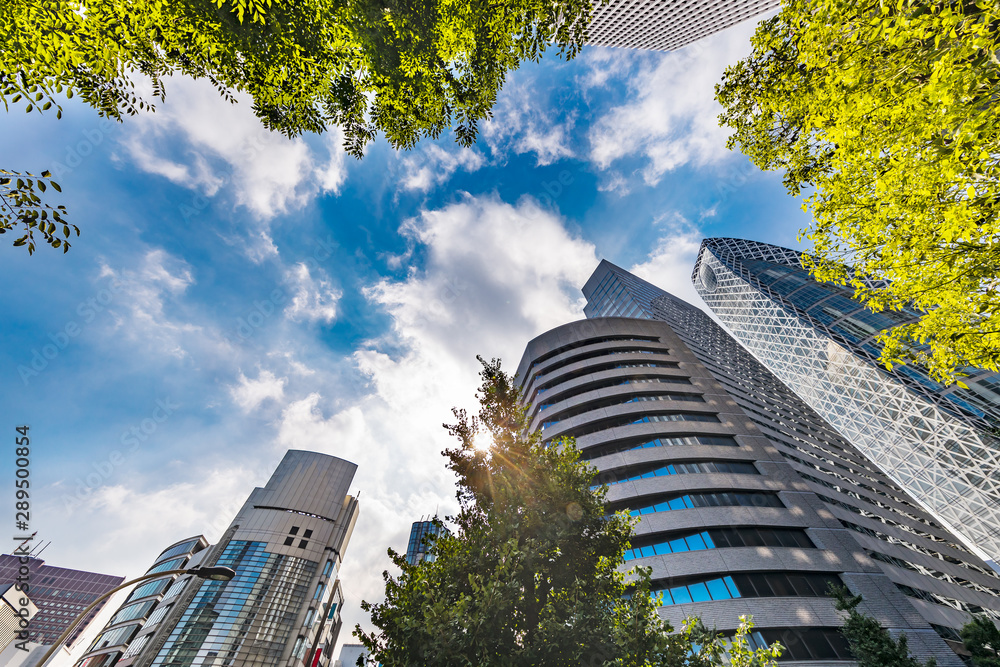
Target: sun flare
(482,442)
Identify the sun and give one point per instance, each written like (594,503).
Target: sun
(482,442)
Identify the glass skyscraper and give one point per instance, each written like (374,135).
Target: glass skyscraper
(664,25)
(417,548)
(939,443)
(142,609)
(926,568)
(283,607)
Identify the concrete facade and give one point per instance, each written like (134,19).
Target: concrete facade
(282,609)
(781,585)
(940,579)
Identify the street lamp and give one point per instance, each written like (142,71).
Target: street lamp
(213,573)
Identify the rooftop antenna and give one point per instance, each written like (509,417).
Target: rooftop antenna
(36,555)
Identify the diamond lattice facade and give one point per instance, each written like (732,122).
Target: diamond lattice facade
(933,441)
(666,25)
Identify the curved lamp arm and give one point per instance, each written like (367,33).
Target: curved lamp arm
(222,573)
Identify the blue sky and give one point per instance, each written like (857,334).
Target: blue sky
(235,294)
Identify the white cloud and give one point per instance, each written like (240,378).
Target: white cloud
(141,298)
(604,64)
(315,299)
(434,165)
(522,123)
(332,175)
(669,265)
(268,173)
(495,276)
(670,118)
(150,519)
(249,394)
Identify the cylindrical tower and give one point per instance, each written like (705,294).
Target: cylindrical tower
(727,526)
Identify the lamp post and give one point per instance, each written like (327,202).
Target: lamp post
(213,573)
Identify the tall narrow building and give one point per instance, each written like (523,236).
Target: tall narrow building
(417,547)
(939,443)
(141,609)
(282,609)
(691,431)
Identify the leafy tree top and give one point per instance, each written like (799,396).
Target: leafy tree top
(982,638)
(405,69)
(883,115)
(531,574)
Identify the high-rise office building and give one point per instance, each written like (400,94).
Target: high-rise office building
(59,593)
(350,654)
(141,609)
(417,545)
(692,431)
(283,607)
(666,25)
(939,443)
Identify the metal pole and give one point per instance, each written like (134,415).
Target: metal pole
(101,598)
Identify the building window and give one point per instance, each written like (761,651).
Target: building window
(299,650)
(289,541)
(307,534)
(303,544)
(294,530)
(692,500)
(747,585)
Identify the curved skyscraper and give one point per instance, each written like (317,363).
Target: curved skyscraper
(141,610)
(282,609)
(727,525)
(936,442)
(879,523)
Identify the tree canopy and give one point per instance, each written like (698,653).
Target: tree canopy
(531,573)
(871,644)
(22,209)
(884,115)
(406,69)
(981,637)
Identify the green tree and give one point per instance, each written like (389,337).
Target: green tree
(982,639)
(23,211)
(531,574)
(884,114)
(872,644)
(407,69)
